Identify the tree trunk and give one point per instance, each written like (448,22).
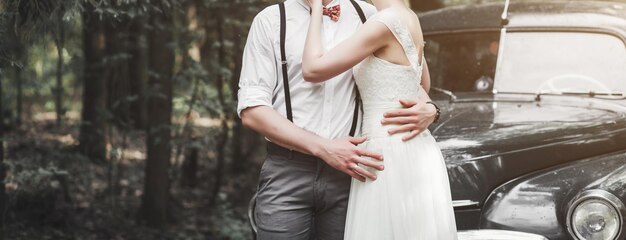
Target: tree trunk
(138,71)
(223,135)
(3,197)
(60,44)
(238,158)
(1,108)
(19,106)
(189,176)
(117,33)
(186,132)
(117,68)
(94,118)
(186,135)
(19,50)
(161,62)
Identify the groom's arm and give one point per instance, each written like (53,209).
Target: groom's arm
(256,86)
(342,153)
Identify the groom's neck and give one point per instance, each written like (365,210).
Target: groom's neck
(326,2)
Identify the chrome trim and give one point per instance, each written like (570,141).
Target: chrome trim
(499,60)
(450,94)
(521,29)
(602,195)
(593,30)
(492,234)
(464,203)
(462,31)
(505,13)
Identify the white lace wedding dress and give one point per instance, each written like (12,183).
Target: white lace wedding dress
(410,200)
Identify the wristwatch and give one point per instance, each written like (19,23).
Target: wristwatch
(438,114)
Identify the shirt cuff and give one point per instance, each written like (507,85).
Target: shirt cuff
(253,96)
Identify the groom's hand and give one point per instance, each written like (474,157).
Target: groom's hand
(414,118)
(344,155)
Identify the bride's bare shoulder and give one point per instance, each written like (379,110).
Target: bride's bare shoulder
(385,17)
(394,14)
(385,13)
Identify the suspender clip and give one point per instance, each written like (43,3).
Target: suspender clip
(283,62)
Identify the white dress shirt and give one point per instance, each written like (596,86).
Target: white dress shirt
(325,109)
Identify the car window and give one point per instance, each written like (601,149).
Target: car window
(555,62)
(463,62)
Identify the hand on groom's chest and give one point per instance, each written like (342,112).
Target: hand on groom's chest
(298,19)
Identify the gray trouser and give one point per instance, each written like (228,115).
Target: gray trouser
(300,197)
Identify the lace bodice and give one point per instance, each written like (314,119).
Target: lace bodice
(381,81)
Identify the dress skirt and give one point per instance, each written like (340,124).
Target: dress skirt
(410,200)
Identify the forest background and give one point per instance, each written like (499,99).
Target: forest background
(117,118)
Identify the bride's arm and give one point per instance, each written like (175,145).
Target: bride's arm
(426,77)
(318,66)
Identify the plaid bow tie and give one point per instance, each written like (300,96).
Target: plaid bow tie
(333,12)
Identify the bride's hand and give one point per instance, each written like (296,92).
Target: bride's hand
(316,5)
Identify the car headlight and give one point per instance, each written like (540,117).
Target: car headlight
(596,215)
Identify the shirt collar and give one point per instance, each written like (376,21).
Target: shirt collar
(305,4)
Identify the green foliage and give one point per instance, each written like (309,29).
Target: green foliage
(230,223)
(35,178)
(25,21)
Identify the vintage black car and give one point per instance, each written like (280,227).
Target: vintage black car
(534,116)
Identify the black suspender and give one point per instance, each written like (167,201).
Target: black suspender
(355,117)
(283,58)
(359,11)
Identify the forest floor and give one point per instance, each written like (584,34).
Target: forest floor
(56,193)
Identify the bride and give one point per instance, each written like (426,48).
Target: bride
(410,198)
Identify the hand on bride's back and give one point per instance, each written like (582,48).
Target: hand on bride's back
(343,155)
(413,119)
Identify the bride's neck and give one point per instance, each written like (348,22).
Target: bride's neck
(383,4)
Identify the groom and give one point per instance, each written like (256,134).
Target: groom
(304,183)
